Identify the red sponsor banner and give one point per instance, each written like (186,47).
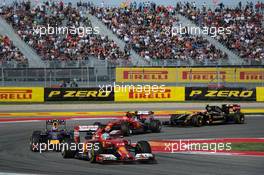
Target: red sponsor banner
(159,94)
(205,75)
(146,75)
(21,94)
(14,94)
(250,75)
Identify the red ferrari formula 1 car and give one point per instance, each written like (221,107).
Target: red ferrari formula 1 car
(100,147)
(137,122)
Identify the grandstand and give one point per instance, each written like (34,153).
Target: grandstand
(247,33)
(9,54)
(130,34)
(60,47)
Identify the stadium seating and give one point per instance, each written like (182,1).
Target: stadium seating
(67,46)
(147,30)
(247,33)
(10,56)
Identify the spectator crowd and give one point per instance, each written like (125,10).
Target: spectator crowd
(144,27)
(64,46)
(9,54)
(246,24)
(147,28)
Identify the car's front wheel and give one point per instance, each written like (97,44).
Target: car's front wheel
(155,126)
(143,147)
(66,151)
(35,141)
(97,149)
(197,121)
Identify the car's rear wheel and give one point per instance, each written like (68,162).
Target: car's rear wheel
(173,118)
(155,126)
(143,147)
(239,118)
(99,124)
(125,129)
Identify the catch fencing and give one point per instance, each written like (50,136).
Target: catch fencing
(95,76)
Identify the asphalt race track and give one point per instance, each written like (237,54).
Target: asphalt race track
(15,156)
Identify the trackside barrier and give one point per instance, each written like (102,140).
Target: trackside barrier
(219,94)
(260,94)
(21,94)
(128,94)
(149,94)
(79,94)
(190,75)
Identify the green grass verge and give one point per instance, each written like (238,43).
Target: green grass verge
(248,147)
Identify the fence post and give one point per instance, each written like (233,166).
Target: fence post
(3,81)
(45,76)
(87,72)
(96,78)
(50,77)
(262,77)
(82,74)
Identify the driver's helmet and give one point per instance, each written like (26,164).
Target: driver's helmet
(208,108)
(105,136)
(107,129)
(55,126)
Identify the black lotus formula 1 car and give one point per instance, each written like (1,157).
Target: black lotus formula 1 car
(211,115)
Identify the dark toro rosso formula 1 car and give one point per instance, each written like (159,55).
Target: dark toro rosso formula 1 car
(53,135)
(99,146)
(137,122)
(212,115)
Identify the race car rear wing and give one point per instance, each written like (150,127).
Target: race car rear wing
(89,129)
(60,122)
(57,123)
(144,112)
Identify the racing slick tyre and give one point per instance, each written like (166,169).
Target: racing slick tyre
(155,126)
(97,123)
(66,152)
(173,118)
(239,118)
(143,147)
(35,141)
(95,151)
(197,121)
(125,129)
